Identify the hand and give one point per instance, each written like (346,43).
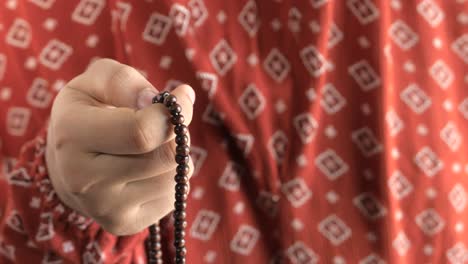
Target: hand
(110,152)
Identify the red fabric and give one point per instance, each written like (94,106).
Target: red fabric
(324,131)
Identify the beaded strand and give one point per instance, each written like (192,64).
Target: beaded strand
(154,252)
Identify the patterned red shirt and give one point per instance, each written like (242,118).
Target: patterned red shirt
(324,131)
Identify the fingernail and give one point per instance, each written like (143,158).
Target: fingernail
(145,97)
(191,95)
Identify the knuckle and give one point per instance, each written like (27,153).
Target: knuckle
(75,186)
(98,208)
(117,223)
(122,74)
(101,62)
(60,130)
(96,66)
(60,140)
(76,179)
(93,197)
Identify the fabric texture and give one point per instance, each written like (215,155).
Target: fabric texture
(324,131)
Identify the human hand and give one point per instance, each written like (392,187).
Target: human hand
(110,153)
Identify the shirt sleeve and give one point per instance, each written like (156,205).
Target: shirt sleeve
(36,226)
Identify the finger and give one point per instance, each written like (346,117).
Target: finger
(153,188)
(161,205)
(137,167)
(112,195)
(153,211)
(120,130)
(136,205)
(116,84)
(144,202)
(133,219)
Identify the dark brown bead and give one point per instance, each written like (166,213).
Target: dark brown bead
(157,99)
(181,223)
(183,150)
(156,240)
(179,235)
(180,260)
(182,159)
(181,178)
(175,109)
(181,140)
(181,251)
(180,215)
(153,232)
(170,100)
(179,242)
(179,229)
(178,119)
(180,205)
(181,196)
(182,169)
(165,94)
(181,129)
(153,244)
(182,188)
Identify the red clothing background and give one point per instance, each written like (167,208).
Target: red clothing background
(324,131)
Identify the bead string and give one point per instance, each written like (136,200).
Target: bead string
(153,249)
